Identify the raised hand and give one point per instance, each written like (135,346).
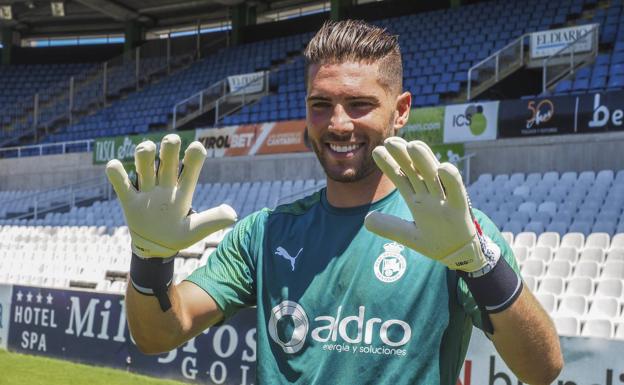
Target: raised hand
(158,210)
(443,227)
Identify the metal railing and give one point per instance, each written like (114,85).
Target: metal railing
(60,199)
(463,164)
(220,98)
(68,101)
(568,59)
(234,101)
(47,149)
(198,103)
(497,66)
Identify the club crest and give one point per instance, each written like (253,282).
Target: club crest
(390,265)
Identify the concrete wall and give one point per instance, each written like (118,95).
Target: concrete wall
(44,172)
(31,173)
(559,153)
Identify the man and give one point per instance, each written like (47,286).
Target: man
(336,302)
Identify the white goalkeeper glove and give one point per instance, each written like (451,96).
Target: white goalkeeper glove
(158,212)
(443,226)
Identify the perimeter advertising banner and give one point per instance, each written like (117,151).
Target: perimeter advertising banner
(91,328)
(601,112)
(588,361)
(122,147)
(250,83)
(582,114)
(539,116)
(426,124)
(448,152)
(5,310)
(470,122)
(546,43)
(254,139)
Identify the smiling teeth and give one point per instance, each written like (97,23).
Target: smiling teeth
(337,148)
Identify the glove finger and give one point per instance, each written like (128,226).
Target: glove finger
(391,168)
(169,160)
(398,150)
(208,221)
(392,227)
(119,179)
(427,165)
(453,186)
(144,162)
(191,167)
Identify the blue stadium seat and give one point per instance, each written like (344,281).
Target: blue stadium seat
(563,86)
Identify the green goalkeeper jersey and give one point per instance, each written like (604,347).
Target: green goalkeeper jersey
(337,304)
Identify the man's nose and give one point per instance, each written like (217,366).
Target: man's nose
(340,122)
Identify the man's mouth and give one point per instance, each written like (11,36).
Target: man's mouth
(345,149)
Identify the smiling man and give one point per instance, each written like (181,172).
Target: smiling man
(376,279)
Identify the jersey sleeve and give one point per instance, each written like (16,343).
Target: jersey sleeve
(464,296)
(229,275)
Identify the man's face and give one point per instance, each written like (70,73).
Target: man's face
(349,113)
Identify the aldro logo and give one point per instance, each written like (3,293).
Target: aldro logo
(473,117)
(289,326)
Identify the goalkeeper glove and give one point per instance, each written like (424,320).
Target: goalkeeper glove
(443,226)
(158,211)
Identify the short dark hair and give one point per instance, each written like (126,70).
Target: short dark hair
(358,41)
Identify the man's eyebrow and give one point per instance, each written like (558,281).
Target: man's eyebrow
(317,97)
(354,97)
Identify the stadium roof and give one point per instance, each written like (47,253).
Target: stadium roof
(33,18)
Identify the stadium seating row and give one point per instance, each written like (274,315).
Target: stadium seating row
(244,197)
(571,202)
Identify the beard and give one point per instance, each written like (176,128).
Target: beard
(352,170)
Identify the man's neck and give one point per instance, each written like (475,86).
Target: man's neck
(370,189)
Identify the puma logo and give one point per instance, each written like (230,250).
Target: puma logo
(284,254)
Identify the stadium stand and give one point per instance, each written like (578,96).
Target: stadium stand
(23,81)
(435,69)
(607,72)
(578,277)
(153,105)
(245,197)
(95,240)
(585,203)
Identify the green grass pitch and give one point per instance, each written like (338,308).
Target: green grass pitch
(20,369)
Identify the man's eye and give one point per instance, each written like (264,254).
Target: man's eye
(361,104)
(320,105)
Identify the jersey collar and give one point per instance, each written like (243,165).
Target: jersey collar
(357,209)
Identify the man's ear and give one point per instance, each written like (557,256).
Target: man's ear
(403,106)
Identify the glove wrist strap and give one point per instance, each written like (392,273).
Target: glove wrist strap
(496,290)
(152,277)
